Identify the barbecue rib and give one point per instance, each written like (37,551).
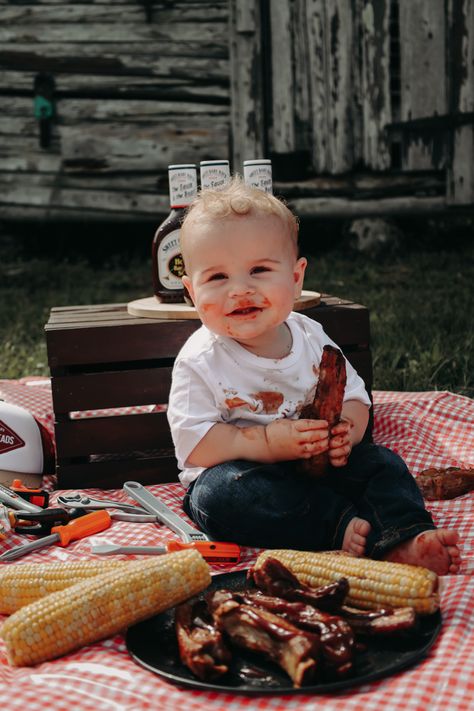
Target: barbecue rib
(327,404)
(200,644)
(445,483)
(258,630)
(335,634)
(274,579)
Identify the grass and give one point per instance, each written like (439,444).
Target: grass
(420,301)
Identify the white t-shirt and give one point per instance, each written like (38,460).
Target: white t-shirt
(215,380)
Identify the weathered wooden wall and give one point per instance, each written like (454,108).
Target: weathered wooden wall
(361,85)
(365,106)
(139,86)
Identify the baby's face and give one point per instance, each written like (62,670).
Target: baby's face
(243,276)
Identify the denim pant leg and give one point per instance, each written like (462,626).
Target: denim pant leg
(384,493)
(266,505)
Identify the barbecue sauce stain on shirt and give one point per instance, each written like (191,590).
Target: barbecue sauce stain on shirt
(271,401)
(267,401)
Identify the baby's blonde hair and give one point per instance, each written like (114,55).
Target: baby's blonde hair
(239,200)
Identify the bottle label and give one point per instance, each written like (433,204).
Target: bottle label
(170,261)
(259,176)
(183,186)
(215,177)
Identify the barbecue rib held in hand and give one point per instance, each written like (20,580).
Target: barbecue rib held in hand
(327,403)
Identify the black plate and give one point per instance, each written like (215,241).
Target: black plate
(152,644)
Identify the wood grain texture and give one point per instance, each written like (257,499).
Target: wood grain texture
(101,357)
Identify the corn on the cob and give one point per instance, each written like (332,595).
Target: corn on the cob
(372,583)
(25,583)
(102,606)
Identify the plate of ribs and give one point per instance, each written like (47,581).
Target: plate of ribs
(263,631)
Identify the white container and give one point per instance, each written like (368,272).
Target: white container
(183,184)
(258,174)
(215,174)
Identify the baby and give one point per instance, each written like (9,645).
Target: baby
(239,385)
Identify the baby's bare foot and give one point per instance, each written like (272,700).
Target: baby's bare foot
(436,550)
(355,536)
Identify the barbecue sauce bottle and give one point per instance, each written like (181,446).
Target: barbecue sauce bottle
(167,262)
(258,174)
(215,174)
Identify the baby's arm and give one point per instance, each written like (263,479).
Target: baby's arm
(281,440)
(349,432)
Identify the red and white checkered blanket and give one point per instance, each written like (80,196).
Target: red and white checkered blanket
(426,429)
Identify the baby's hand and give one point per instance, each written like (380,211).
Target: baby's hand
(296,439)
(340,444)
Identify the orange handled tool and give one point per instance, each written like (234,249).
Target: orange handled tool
(212,551)
(62,535)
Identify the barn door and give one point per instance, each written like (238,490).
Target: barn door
(336,86)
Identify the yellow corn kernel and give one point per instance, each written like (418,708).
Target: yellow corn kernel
(372,583)
(21,584)
(102,606)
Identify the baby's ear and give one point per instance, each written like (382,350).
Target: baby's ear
(298,274)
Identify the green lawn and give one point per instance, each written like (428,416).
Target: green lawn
(421,306)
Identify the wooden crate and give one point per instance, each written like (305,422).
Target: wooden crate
(101,358)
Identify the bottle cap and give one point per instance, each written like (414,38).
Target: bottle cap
(258,174)
(215,174)
(183,184)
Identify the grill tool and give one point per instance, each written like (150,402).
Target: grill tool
(187,533)
(63,535)
(210,551)
(14,501)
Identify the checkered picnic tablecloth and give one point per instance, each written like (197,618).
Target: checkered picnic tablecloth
(426,429)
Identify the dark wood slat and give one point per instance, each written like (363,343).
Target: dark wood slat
(346,324)
(109,344)
(112,475)
(362,362)
(121,388)
(112,435)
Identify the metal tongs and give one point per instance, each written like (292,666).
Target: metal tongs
(123,512)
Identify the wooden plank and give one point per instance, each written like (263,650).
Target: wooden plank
(202,32)
(130,12)
(330,47)
(112,435)
(120,388)
(300,58)
(107,344)
(131,110)
(113,474)
(340,207)
(340,46)
(97,56)
(317,59)
(423,76)
(108,202)
(283,128)
(362,362)
(375,82)
(460,182)
(45,173)
(172,89)
(247,119)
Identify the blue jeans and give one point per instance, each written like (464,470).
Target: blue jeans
(275,506)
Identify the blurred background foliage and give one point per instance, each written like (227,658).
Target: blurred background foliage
(418,289)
